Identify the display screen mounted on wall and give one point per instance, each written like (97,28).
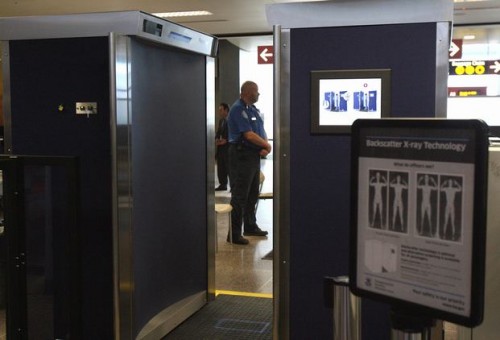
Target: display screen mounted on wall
(418,215)
(339,97)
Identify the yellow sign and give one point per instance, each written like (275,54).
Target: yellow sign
(475,67)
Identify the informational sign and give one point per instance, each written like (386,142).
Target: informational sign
(473,67)
(472,91)
(418,232)
(456,49)
(265,54)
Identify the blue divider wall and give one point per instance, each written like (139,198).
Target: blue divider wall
(46,74)
(320,164)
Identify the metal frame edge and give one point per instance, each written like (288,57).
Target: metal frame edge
(123,282)
(281,202)
(443,38)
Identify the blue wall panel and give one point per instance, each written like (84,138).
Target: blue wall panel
(320,164)
(44,75)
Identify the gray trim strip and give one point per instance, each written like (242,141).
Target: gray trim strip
(443,37)
(120,121)
(114,198)
(357,13)
(281,201)
(171,317)
(133,23)
(211,239)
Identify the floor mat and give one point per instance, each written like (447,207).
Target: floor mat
(229,317)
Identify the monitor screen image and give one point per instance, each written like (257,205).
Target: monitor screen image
(342,101)
(339,97)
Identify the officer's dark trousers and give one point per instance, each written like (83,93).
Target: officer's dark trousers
(244,174)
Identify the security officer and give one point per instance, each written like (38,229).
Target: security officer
(247,144)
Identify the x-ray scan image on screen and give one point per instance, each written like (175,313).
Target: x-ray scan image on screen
(339,97)
(344,100)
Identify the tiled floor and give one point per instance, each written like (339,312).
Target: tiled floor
(241,268)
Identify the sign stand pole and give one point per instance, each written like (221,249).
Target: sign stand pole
(408,326)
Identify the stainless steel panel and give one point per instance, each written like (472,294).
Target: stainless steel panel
(456,332)
(176,35)
(68,26)
(211,177)
(490,328)
(171,317)
(357,13)
(443,32)
(281,202)
(346,311)
(121,120)
(134,23)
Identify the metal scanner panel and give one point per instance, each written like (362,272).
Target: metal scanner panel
(133,23)
(490,328)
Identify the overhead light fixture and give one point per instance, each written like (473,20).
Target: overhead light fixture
(469,37)
(182,14)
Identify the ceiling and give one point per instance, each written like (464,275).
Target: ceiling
(231,18)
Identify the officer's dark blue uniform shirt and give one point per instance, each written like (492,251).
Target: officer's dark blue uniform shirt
(243,118)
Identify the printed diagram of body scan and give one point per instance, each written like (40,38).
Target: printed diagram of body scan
(377,199)
(388,200)
(439,206)
(427,204)
(398,195)
(450,207)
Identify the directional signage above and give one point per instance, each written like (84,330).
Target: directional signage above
(265,54)
(456,49)
(474,67)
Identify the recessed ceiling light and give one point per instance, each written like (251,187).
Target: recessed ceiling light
(469,37)
(182,14)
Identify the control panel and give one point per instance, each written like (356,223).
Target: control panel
(86,108)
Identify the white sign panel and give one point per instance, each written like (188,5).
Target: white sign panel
(416,216)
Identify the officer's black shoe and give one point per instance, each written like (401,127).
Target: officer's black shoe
(221,188)
(238,240)
(255,231)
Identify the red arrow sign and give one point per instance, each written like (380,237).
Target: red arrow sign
(456,49)
(265,54)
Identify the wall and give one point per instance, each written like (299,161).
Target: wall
(227,74)
(79,71)
(262,74)
(320,164)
